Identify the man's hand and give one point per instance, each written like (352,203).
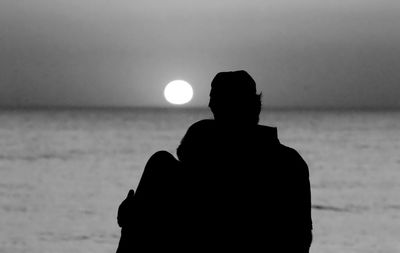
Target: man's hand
(125,209)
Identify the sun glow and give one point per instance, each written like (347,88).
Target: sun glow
(178,92)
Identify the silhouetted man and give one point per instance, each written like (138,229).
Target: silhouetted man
(235,187)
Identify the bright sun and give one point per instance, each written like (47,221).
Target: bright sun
(178,92)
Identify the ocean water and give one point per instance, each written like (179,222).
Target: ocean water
(63,174)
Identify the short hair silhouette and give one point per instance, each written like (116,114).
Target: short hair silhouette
(234,96)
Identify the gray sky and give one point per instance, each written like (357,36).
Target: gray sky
(123,52)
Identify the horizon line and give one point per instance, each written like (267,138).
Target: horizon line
(190,108)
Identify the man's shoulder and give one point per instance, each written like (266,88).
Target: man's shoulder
(293,157)
(272,132)
(289,151)
(284,153)
(267,131)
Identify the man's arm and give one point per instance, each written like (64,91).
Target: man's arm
(125,209)
(304,198)
(299,197)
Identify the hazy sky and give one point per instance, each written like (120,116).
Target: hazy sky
(123,52)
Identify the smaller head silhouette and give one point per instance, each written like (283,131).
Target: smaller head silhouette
(234,99)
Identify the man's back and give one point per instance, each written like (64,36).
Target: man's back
(245,188)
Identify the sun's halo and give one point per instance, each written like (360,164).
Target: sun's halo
(178,92)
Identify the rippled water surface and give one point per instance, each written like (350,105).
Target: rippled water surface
(64,172)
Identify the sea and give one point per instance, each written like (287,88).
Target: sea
(63,173)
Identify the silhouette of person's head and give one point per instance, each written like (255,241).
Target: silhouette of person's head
(234,99)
